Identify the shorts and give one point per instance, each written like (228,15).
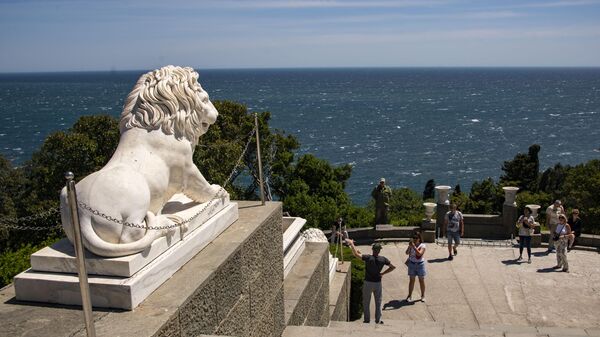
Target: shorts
(453,236)
(416,269)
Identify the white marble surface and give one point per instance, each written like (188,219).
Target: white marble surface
(292,232)
(292,255)
(60,257)
(162,119)
(122,292)
(333,262)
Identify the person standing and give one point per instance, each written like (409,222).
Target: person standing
(526,226)
(560,236)
(416,265)
(382,195)
(372,285)
(454,228)
(552,213)
(576,227)
(338,231)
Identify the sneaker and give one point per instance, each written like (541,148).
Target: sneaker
(519,258)
(380,322)
(450,257)
(565,270)
(367,322)
(529,260)
(423,299)
(408,298)
(455,251)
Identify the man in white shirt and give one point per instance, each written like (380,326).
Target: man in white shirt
(552,213)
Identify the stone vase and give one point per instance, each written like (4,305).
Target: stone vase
(429,208)
(442,194)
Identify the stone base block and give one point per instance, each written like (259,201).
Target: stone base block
(428,236)
(428,225)
(60,257)
(123,292)
(536,240)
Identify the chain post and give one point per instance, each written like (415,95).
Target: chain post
(84,286)
(260,174)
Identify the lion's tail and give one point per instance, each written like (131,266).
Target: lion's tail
(95,244)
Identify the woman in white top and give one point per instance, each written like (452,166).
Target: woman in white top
(416,265)
(560,237)
(525,225)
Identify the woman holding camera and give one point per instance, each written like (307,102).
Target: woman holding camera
(560,237)
(525,225)
(416,265)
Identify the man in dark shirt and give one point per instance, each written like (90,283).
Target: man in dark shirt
(372,285)
(576,227)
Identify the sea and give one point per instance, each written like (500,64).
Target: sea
(409,125)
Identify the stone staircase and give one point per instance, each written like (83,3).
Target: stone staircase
(399,328)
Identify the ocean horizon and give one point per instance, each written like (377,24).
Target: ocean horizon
(452,124)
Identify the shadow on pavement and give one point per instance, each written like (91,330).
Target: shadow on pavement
(395,304)
(511,262)
(548,270)
(437,260)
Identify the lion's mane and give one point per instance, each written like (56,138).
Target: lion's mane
(170,99)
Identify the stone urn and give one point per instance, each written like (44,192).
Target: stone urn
(510,194)
(534,213)
(442,193)
(534,210)
(429,208)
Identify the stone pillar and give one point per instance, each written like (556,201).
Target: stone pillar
(509,210)
(442,206)
(428,224)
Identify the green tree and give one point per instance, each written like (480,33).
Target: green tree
(485,198)
(314,190)
(523,170)
(581,190)
(553,179)
(224,142)
(429,191)
(406,207)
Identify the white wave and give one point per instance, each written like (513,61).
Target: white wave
(414,174)
(554,115)
(475,120)
(565,154)
(17,149)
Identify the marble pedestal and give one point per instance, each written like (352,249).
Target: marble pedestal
(148,270)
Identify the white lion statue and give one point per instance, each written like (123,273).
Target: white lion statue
(162,118)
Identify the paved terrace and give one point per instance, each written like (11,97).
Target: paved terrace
(485,286)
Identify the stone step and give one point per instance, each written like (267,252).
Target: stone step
(407,328)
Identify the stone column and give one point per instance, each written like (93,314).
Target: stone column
(442,205)
(428,224)
(509,210)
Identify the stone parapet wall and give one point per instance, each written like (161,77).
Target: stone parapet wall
(234,286)
(306,288)
(339,293)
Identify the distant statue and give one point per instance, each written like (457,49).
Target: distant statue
(382,195)
(162,118)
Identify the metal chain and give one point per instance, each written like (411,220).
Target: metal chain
(174,225)
(29,228)
(13,223)
(30,217)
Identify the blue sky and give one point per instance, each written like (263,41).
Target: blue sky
(49,35)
